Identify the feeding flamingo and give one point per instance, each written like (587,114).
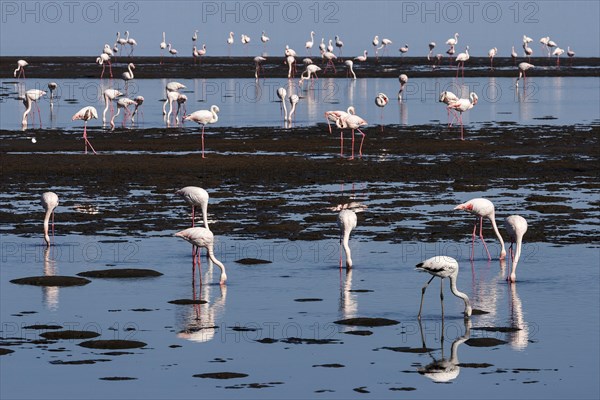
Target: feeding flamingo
(282,93)
(123,103)
(350,70)
(52,86)
(109,96)
(196,197)
(443,267)
(204,117)
(31,96)
(462,105)
(139,100)
(21,64)
(482,208)
(202,237)
(346,222)
(353,122)
(49,202)
(257,63)
(311,73)
(85,114)
(516,226)
(447,98)
(523,67)
(403,78)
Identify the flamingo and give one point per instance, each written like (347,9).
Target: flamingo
(431,47)
(403,78)
(514,55)
(128,75)
(330,46)
(350,70)
(491,54)
(551,45)
(443,267)
(289,51)
(528,51)
(181,100)
(311,71)
(353,122)
(204,117)
(49,202)
(322,46)
(163,46)
(52,86)
(245,40)
(195,53)
(291,62)
(571,54)
(527,39)
(132,43)
(309,44)
(195,36)
(123,103)
(85,114)
(139,100)
(230,41)
(381,101)
(523,67)
(122,41)
(109,96)
(362,58)
(375,44)
(32,96)
(173,87)
(339,44)
(482,208)
(558,52)
(462,105)
(21,64)
(196,197)
(461,58)
(307,61)
(516,226)
(264,38)
(281,93)
(451,52)
(448,98)
(171,50)
(172,97)
(102,60)
(403,50)
(330,57)
(384,44)
(346,222)
(107,50)
(453,41)
(202,237)
(257,63)
(202,52)
(544,41)
(333,116)
(294,99)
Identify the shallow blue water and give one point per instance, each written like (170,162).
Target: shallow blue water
(244,102)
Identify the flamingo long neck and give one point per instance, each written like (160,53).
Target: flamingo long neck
(292,111)
(130,71)
(106,104)
(27,110)
(503,251)
(284,106)
(204,207)
(513,272)
(345,240)
(215,117)
(46,221)
(112,120)
(460,294)
(212,257)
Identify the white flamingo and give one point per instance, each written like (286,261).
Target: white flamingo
(49,202)
(516,226)
(482,208)
(85,114)
(204,117)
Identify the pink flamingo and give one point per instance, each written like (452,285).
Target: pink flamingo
(516,226)
(109,96)
(523,67)
(32,96)
(462,105)
(202,237)
(448,98)
(196,197)
(334,116)
(204,117)
(49,202)
(85,114)
(103,60)
(21,64)
(491,54)
(330,57)
(353,122)
(460,59)
(482,208)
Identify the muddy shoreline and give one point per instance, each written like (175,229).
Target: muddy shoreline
(254,193)
(243,67)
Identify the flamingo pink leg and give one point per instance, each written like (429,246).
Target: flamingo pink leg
(473,241)
(203,141)
(102,74)
(193,212)
(110,69)
(352,157)
(87,142)
(481,236)
(361,142)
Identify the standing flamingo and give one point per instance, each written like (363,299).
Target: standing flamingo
(264,38)
(453,41)
(330,57)
(49,202)
(350,70)
(102,60)
(523,67)
(375,44)
(294,99)
(32,96)
(460,59)
(172,97)
(121,40)
(132,43)
(202,237)
(85,114)
(516,226)
(551,45)
(558,52)
(482,208)
(346,222)
(381,101)
(230,41)
(333,116)
(431,47)
(403,78)
(528,51)
(163,46)
(128,75)
(52,86)
(353,122)
(403,50)
(571,54)
(123,103)
(196,197)
(514,55)
(309,44)
(443,267)
(448,98)
(21,64)
(109,96)
(282,93)
(462,105)
(362,58)
(195,36)
(451,52)
(257,64)
(491,54)
(139,100)
(204,117)
(339,44)
(171,49)
(322,46)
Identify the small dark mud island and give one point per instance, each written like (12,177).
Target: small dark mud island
(274,67)
(549,166)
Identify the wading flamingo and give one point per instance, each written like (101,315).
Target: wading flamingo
(21,64)
(204,117)
(523,67)
(353,122)
(462,105)
(49,202)
(482,208)
(85,114)
(516,226)
(31,96)
(202,237)
(196,197)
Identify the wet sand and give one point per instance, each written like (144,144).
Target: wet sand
(243,67)
(248,187)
